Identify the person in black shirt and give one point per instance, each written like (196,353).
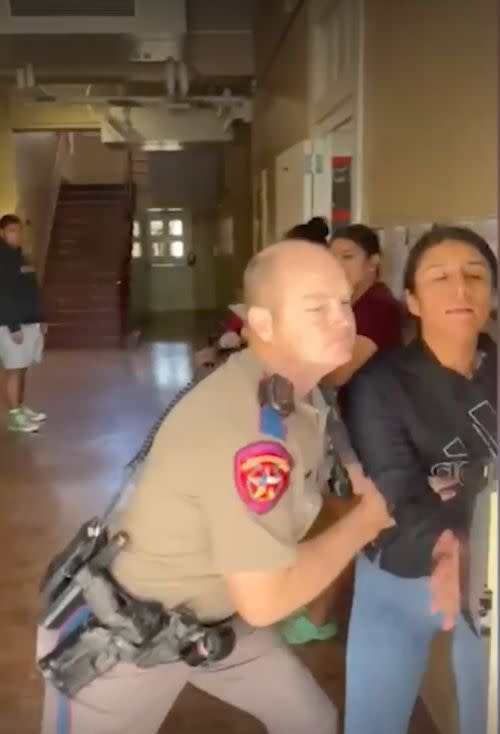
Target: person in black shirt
(21,324)
(427,409)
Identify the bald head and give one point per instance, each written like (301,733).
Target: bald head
(278,266)
(298,305)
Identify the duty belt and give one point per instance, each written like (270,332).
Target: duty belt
(115,626)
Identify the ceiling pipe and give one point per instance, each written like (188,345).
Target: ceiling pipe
(176,78)
(170,76)
(30,76)
(183,78)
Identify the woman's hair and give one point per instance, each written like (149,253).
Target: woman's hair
(8,220)
(315,230)
(442,233)
(362,236)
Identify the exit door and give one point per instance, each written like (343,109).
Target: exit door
(171,260)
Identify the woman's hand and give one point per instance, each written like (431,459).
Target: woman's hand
(445,579)
(371,501)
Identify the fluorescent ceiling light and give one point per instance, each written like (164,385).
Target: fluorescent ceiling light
(162,145)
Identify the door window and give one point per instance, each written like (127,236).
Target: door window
(167,230)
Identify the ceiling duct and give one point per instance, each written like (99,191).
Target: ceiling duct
(139,18)
(63,8)
(148,126)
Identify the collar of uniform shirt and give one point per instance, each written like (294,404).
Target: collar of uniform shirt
(253,366)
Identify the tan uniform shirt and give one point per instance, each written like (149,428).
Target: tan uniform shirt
(221,494)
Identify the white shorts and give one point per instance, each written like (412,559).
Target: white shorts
(19,356)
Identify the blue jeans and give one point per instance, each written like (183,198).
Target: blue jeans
(390,634)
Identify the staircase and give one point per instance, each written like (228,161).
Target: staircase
(86,272)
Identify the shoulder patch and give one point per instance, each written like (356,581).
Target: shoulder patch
(262,475)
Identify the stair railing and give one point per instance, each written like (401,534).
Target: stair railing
(62,150)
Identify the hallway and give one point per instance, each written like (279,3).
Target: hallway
(100,405)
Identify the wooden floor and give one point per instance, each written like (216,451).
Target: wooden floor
(100,405)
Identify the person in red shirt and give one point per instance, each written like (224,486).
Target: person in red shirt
(231,337)
(378,314)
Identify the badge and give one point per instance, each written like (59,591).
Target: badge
(262,475)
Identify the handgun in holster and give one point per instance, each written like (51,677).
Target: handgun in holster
(118,627)
(93,649)
(92,547)
(62,568)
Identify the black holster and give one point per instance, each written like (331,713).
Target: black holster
(118,627)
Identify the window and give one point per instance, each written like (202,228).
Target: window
(177,248)
(156,227)
(136,240)
(158,248)
(136,249)
(175,227)
(168,230)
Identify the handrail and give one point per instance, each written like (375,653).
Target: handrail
(53,196)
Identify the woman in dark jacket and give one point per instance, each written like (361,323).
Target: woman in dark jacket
(427,409)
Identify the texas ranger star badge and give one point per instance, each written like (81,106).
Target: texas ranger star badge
(262,475)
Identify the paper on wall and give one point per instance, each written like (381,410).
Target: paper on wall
(415,231)
(488,228)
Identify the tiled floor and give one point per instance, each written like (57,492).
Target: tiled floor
(100,405)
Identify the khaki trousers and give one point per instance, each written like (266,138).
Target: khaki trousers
(261,676)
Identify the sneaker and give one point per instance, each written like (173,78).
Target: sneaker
(20,423)
(298,630)
(33,416)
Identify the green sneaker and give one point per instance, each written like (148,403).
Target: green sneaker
(19,423)
(298,629)
(32,415)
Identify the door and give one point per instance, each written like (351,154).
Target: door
(322,178)
(171,260)
(293,187)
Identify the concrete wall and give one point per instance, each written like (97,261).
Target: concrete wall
(431,110)
(281,101)
(8,184)
(92,162)
(281,116)
(236,203)
(429,138)
(186,179)
(36,155)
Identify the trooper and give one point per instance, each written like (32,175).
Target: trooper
(234,480)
